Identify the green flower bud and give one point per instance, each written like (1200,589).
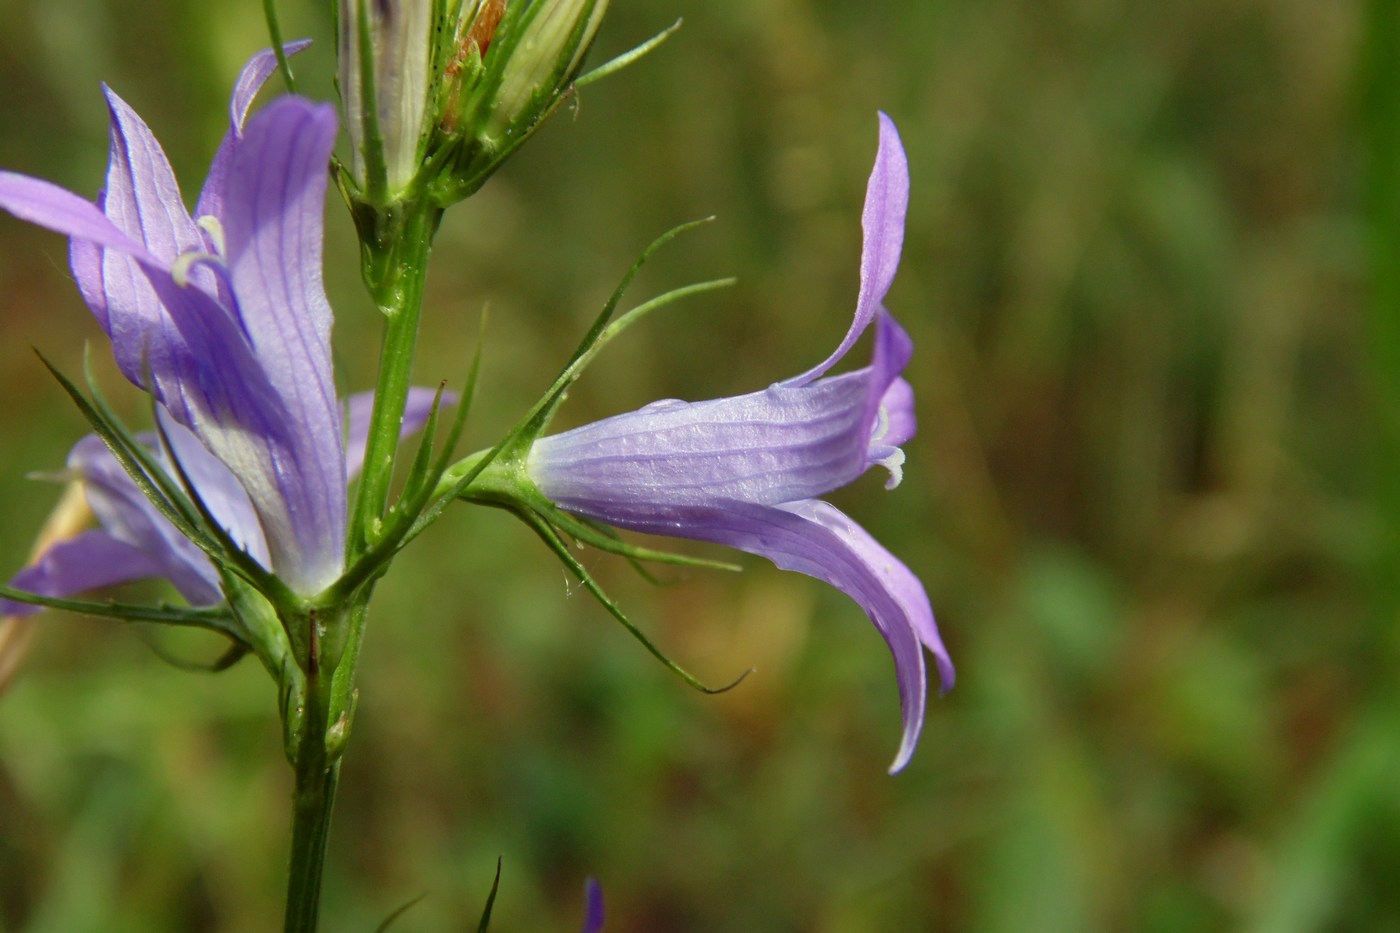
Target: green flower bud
(544,62)
(385,53)
(502,66)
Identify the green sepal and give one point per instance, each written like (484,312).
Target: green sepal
(490,900)
(600,332)
(230,656)
(604,538)
(471,141)
(274,32)
(516,444)
(420,471)
(516,492)
(614,65)
(405,513)
(506,487)
(215,619)
(129,453)
(399,911)
(376,171)
(561,550)
(604,329)
(266,636)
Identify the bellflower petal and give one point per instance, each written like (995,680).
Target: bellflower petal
(746,471)
(224,319)
(293,465)
(89,561)
(218,488)
(250,80)
(360,406)
(886,201)
(47,205)
(128,516)
(141,543)
(772,446)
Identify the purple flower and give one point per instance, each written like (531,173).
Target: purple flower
(746,471)
(136,542)
(593,910)
(223,318)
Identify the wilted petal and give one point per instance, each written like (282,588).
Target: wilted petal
(90,561)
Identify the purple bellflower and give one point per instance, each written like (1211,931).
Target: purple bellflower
(137,542)
(223,318)
(747,471)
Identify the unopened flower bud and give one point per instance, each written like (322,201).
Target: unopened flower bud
(385,57)
(545,61)
(503,68)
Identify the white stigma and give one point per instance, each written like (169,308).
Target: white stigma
(211,225)
(185,262)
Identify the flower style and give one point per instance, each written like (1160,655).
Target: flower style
(223,318)
(746,471)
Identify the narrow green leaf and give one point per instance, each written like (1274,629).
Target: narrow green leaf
(216,619)
(607,539)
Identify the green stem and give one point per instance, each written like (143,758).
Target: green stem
(325,638)
(319,728)
(396,241)
(312,800)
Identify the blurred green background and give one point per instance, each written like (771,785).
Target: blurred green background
(1151,273)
